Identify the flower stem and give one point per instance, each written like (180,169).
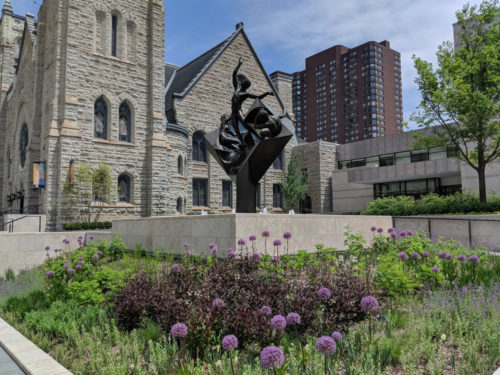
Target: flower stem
(231,360)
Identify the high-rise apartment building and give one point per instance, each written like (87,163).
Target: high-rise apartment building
(349,94)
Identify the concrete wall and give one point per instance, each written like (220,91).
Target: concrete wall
(169,233)
(21,251)
(25,223)
(470,231)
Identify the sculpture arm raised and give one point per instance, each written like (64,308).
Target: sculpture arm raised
(235,72)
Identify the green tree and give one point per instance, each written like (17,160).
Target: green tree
(294,182)
(89,191)
(462,94)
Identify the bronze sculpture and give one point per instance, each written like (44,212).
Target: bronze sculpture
(245,145)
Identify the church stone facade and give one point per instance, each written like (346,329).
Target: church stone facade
(87,83)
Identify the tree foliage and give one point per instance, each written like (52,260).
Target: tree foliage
(462,94)
(294,182)
(89,191)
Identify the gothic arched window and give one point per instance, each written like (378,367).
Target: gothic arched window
(124,188)
(100,119)
(23,144)
(125,120)
(179,205)
(199,149)
(180,165)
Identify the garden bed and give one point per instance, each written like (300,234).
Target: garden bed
(104,310)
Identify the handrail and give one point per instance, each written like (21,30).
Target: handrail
(26,210)
(445,218)
(11,223)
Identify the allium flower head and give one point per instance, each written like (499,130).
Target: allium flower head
(218,304)
(214,251)
(186,245)
(229,342)
(394,234)
(436,270)
(379,230)
(326,345)
(369,304)
(265,233)
(292,319)
(91,238)
(252,237)
(415,255)
(50,273)
(265,310)
(272,357)
(324,293)
(176,267)
(275,259)
(425,254)
(277,243)
(95,257)
(256,256)
(448,256)
(409,233)
(373,228)
(211,246)
(461,258)
(337,336)
(188,253)
(80,259)
(230,253)
(390,230)
(65,241)
(47,248)
(287,235)
(179,330)
(99,252)
(66,265)
(71,271)
(78,266)
(442,255)
(241,242)
(474,259)
(278,322)
(80,238)
(402,255)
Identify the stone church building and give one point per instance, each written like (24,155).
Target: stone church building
(87,82)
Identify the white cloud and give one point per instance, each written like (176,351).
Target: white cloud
(298,29)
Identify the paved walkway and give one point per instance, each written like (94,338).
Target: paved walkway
(7,365)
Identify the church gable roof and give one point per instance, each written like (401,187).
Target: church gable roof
(30,28)
(185,78)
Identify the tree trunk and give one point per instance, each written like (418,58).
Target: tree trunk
(482,183)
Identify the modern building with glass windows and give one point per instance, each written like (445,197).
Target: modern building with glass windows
(349,94)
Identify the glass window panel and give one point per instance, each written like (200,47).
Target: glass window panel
(436,153)
(386,160)
(419,155)
(372,161)
(358,163)
(402,157)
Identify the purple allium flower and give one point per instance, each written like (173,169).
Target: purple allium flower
(287,235)
(47,248)
(179,330)
(373,229)
(394,234)
(186,245)
(425,254)
(390,230)
(214,251)
(66,265)
(369,304)
(278,322)
(402,255)
(218,304)
(80,238)
(252,237)
(256,256)
(188,253)
(403,233)
(337,336)
(50,273)
(448,256)
(241,242)
(80,259)
(229,342)
(292,319)
(442,255)
(272,357)
(91,238)
(78,266)
(176,267)
(71,271)
(326,345)
(95,257)
(415,255)
(65,241)
(266,233)
(277,243)
(474,259)
(275,259)
(265,310)
(324,293)
(99,252)
(409,233)
(230,253)
(461,258)
(436,270)
(379,230)
(211,246)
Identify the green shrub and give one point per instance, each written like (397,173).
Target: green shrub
(10,275)
(431,204)
(20,305)
(88,226)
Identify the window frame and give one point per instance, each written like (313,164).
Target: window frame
(200,185)
(105,113)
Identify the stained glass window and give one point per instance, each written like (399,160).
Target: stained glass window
(125,119)
(23,144)
(123,188)
(100,118)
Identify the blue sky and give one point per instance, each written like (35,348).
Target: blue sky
(285,32)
